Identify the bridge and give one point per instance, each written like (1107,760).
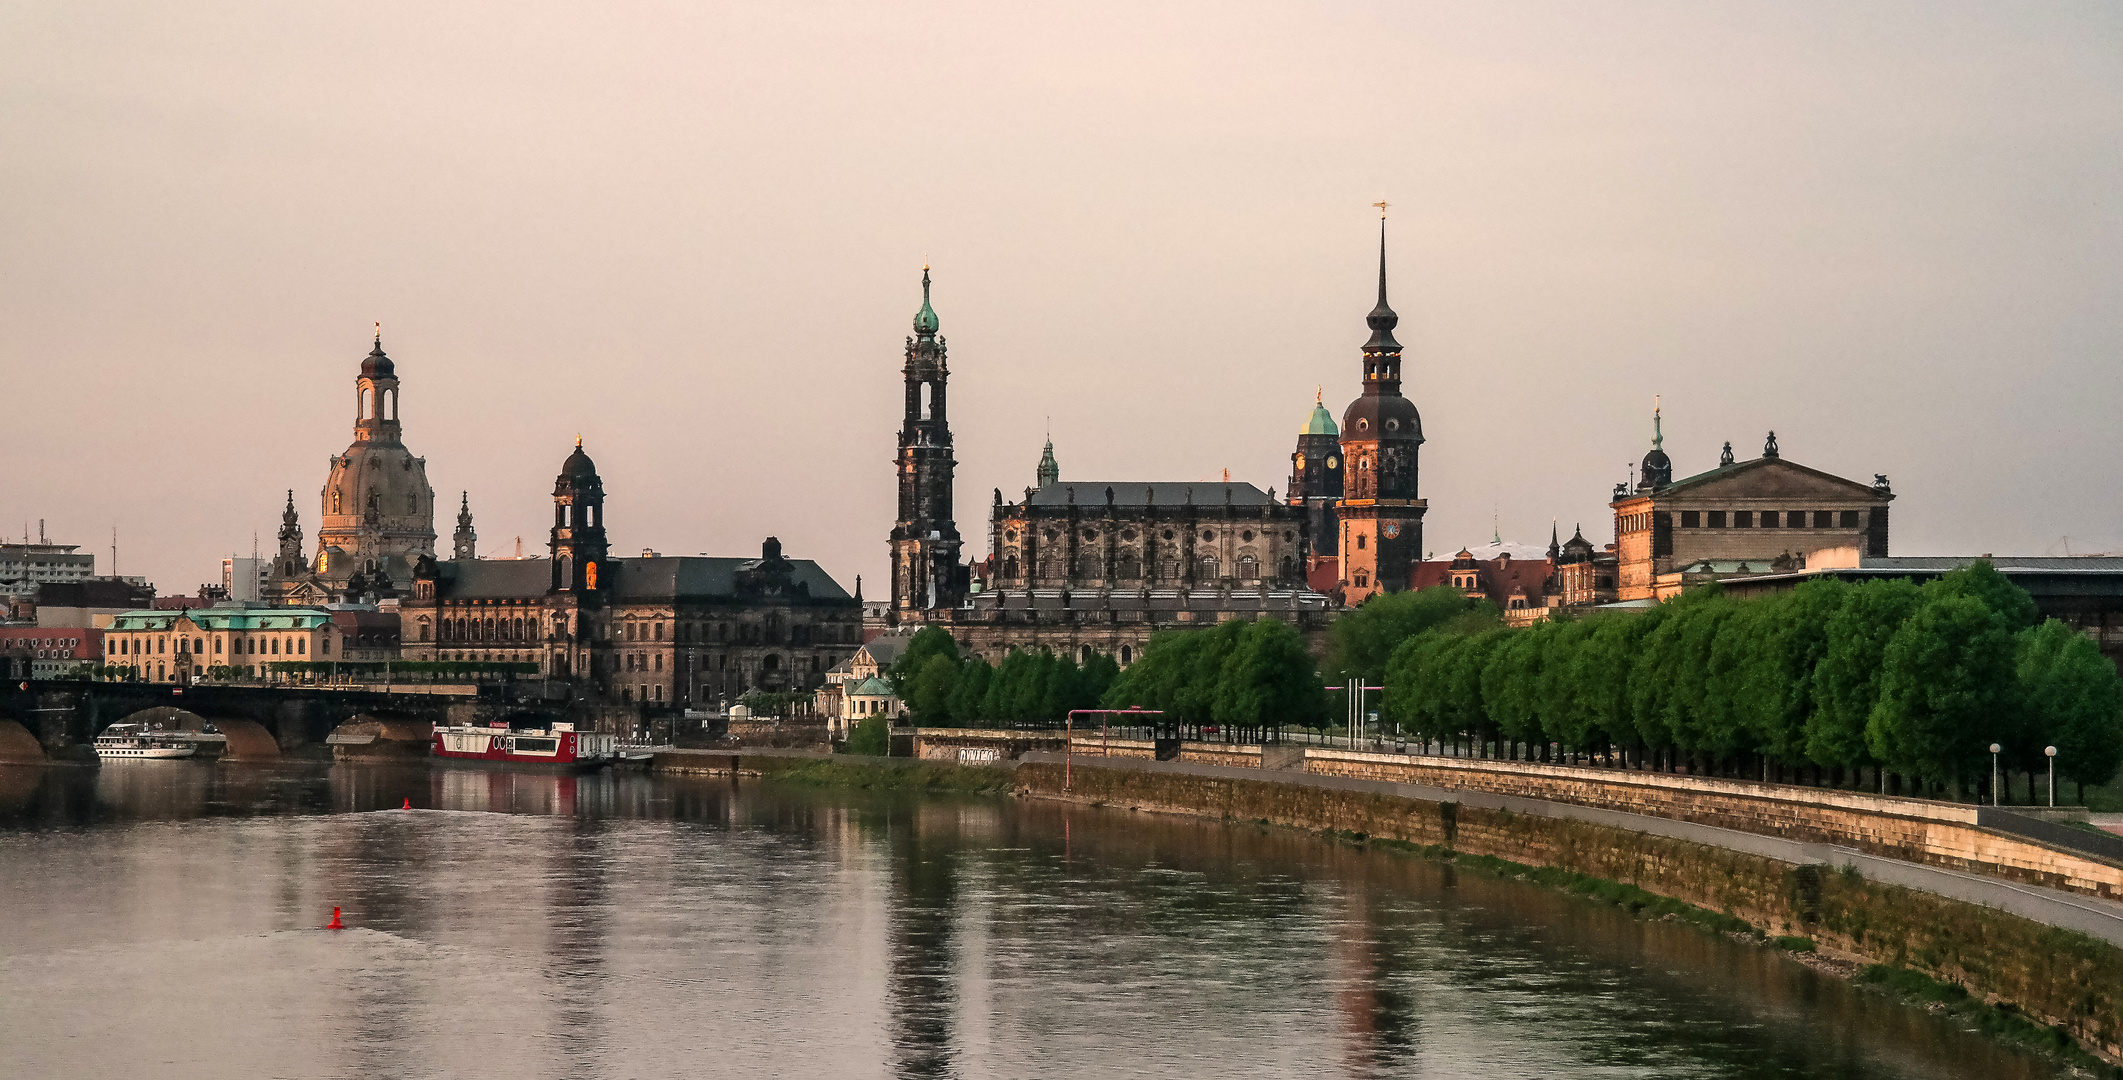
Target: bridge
(61,718)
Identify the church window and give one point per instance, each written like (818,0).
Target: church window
(1208,534)
(1090,534)
(368,403)
(1248,569)
(1288,571)
(1363,579)
(423,629)
(1206,569)
(1246,536)
(1168,534)
(1717,519)
(1010,567)
(1691,519)
(1127,654)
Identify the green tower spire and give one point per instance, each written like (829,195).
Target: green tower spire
(925,319)
(1049,469)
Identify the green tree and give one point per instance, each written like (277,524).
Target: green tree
(1269,678)
(1846,679)
(2073,701)
(969,695)
(1415,681)
(870,736)
(1601,670)
(1062,691)
(1946,685)
(928,689)
(1777,685)
(1511,687)
(1979,579)
(1097,676)
(927,642)
(1361,642)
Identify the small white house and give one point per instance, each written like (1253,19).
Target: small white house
(872,697)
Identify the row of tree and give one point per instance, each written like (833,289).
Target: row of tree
(1917,681)
(941,688)
(1238,674)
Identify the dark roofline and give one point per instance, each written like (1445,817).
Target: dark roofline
(1738,467)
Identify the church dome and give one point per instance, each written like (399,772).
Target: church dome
(376,365)
(1320,422)
(578,466)
(1385,417)
(1657,469)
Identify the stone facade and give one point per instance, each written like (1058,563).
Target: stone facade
(173,646)
(1748,517)
(378,509)
(928,580)
(654,630)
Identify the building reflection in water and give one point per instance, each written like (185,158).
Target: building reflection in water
(625,925)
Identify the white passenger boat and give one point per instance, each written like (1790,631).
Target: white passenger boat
(136,741)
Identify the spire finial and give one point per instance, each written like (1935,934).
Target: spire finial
(925,324)
(578,442)
(1381,204)
(379,331)
(1318,390)
(1658,435)
(1382,320)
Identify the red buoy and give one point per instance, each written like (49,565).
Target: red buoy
(408,805)
(335,924)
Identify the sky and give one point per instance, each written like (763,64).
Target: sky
(693,235)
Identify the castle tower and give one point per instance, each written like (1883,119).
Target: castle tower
(927,579)
(464,543)
(1381,518)
(1316,479)
(379,512)
(1657,471)
(578,540)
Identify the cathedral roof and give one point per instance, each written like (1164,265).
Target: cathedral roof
(681,577)
(1135,493)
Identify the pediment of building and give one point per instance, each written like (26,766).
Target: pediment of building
(1770,478)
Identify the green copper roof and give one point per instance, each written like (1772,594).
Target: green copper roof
(925,319)
(1320,422)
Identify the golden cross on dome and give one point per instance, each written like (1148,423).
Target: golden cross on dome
(1381,204)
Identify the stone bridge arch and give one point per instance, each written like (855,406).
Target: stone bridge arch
(247,740)
(17,745)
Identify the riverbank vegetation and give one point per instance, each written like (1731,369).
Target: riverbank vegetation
(1826,683)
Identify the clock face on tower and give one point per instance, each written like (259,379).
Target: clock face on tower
(1333,462)
(1391,529)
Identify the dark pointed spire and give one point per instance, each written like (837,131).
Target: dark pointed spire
(925,324)
(1382,320)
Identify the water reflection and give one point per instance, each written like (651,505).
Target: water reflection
(622,925)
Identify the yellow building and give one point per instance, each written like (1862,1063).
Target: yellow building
(173,646)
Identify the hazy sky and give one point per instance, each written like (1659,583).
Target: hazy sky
(1891,232)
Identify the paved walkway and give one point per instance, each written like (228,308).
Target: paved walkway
(2088,915)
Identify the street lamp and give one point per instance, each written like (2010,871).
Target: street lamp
(1994,748)
(2051,752)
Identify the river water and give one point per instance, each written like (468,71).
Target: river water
(166,919)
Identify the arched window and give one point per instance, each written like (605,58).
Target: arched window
(1248,568)
(1083,655)
(927,394)
(1129,567)
(1206,569)
(368,403)
(1010,568)
(390,404)
(1127,655)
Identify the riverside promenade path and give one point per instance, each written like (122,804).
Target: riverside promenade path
(2089,915)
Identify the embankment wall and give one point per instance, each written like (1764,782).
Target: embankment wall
(1915,830)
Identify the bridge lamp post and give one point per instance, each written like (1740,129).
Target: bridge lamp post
(2051,753)
(1994,748)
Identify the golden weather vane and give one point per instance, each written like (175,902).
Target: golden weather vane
(1381,204)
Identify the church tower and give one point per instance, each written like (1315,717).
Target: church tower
(379,512)
(1381,517)
(290,561)
(1316,480)
(1049,472)
(927,580)
(464,543)
(578,541)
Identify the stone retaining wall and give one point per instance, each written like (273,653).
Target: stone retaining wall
(945,744)
(1916,830)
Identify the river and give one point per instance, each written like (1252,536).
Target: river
(167,919)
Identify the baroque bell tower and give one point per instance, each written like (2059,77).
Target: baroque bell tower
(1380,516)
(927,580)
(578,540)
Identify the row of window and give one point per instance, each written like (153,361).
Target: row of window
(1128,569)
(773,631)
(43,643)
(127,646)
(1770,519)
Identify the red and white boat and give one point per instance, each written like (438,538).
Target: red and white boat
(499,744)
